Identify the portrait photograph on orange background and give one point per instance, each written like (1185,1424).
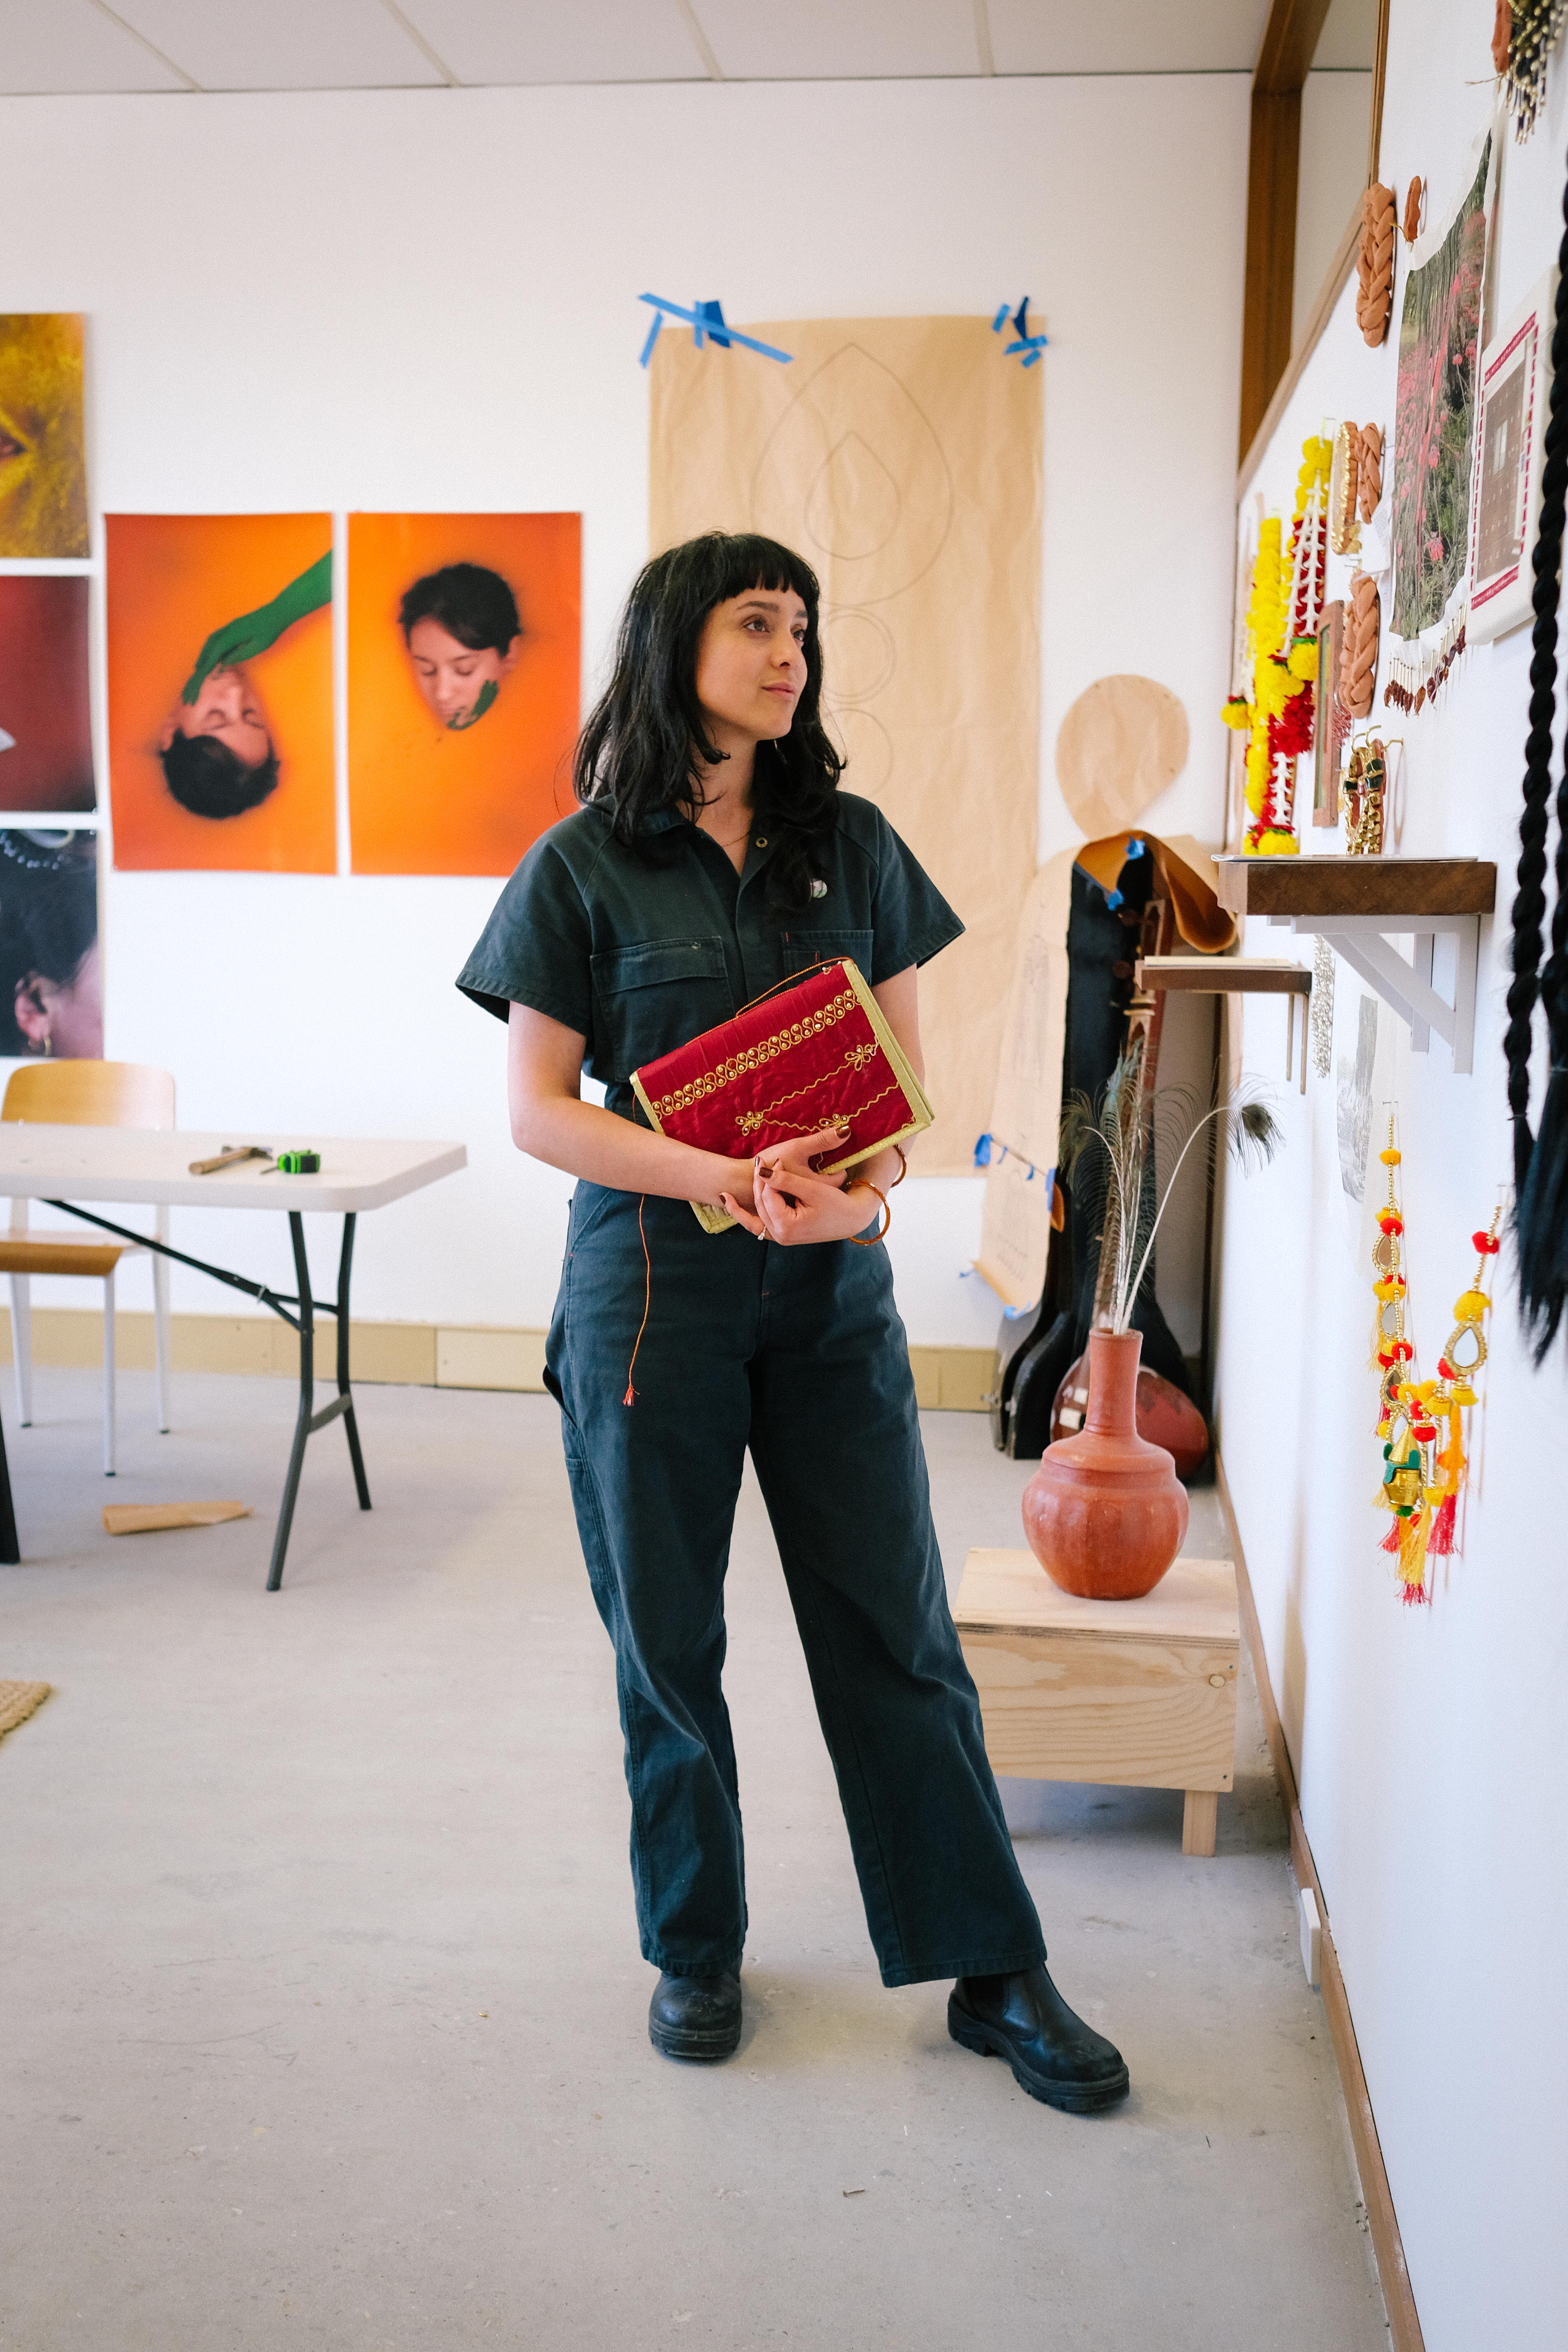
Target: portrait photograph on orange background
(220,692)
(464,662)
(45,726)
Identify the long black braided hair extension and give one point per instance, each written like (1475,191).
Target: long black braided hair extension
(1541,1160)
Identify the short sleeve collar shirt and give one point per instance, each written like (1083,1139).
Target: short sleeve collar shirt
(640,951)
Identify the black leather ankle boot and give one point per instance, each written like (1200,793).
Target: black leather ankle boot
(695,2017)
(1053,2055)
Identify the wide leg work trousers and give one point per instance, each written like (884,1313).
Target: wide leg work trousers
(799,1354)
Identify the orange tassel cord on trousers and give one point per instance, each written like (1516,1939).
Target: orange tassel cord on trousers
(631,1395)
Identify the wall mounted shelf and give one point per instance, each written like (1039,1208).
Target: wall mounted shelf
(1225,975)
(1361,906)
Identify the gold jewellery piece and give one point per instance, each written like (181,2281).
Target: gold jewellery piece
(869,1241)
(1361,799)
(757,1056)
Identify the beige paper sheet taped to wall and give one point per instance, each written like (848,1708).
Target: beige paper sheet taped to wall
(1015,1226)
(902,458)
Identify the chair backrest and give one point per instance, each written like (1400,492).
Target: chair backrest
(91,1094)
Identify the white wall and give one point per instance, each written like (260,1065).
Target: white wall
(1427,1743)
(1336,112)
(428,301)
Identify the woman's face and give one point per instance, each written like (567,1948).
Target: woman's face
(750,666)
(229,708)
(451,675)
(64,1017)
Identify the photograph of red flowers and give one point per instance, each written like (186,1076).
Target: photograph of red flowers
(1440,337)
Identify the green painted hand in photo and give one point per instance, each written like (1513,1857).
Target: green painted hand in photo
(486,697)
(253,633)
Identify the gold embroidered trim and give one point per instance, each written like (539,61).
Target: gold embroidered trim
(748,1121)
(755,1058)
(755,1118)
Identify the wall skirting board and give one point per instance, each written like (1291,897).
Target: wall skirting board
(1404,2325)
(418,1355)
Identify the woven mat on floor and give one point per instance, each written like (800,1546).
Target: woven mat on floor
(17,1701)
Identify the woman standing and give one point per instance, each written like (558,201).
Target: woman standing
(714,857)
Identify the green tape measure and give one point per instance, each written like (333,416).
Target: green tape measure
(298,1163)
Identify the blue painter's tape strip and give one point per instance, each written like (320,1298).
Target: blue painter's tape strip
(653,334)
(1033,360)
(709,324)
(1000,321)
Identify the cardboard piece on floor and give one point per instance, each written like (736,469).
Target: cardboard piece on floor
(143,1519)
(19,1701)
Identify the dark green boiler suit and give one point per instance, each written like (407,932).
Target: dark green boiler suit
(798,1354)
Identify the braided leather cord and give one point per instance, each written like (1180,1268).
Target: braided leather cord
(1530,899)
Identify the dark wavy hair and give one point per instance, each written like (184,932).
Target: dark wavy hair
(48,917)
(635,755)
(469,601)
(210,779)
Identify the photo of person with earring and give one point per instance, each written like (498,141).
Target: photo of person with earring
(51,999)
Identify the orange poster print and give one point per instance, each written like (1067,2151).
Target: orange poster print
(220,692)
(464,665)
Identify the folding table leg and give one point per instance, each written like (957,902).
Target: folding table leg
(345,1266)
(307,1396)
(161,1324)
(108,1374)
(22,1345)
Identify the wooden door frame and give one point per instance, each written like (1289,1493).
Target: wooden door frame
(1269,367)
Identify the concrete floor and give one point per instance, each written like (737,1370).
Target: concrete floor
(325,2022)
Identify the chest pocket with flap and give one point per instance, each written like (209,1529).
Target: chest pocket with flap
(654,995)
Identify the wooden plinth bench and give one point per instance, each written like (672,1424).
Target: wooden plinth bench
(1137,1693)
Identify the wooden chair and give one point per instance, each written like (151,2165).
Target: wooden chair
(85,1094)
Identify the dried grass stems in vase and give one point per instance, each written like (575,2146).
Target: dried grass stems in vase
(1110,1152)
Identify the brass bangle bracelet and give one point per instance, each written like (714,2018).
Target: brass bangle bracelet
(869,1241)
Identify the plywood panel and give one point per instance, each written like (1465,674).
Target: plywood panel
(1148,1713)
(1140,1692)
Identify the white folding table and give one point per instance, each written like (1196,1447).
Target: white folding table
(133,1164)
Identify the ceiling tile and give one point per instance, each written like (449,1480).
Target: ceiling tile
(282,44)
(1348,42)
(69,45)
(841,40)
(1040,37)
(542,41)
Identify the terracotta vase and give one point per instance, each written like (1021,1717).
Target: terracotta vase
(1105,1513)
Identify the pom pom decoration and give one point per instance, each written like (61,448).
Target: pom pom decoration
(1374,262)
(1422,1486)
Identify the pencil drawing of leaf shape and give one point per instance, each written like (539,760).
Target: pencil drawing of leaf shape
(858,654)
(852,508)
(854,468)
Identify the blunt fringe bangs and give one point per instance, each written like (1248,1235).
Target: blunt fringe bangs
(634,757)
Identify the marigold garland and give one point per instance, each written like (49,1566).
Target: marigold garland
(1282,614)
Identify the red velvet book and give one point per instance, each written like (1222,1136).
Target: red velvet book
(798,1060)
